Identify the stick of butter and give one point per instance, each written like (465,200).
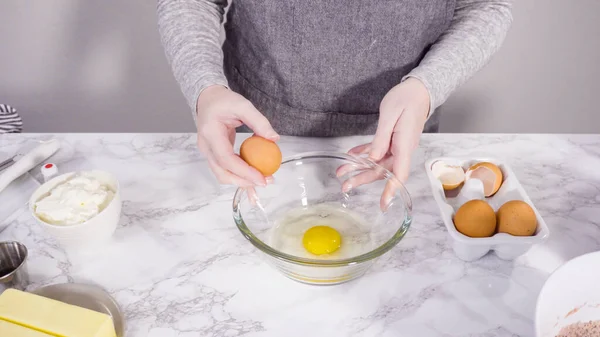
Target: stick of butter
(53,317)
(14,330)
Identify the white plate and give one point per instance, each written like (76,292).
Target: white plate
(504,245)
(571,294)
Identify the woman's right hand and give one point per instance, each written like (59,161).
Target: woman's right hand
(220,111)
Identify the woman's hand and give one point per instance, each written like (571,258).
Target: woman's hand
(402,115)
(220,111)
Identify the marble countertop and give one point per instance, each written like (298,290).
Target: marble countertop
(178,265)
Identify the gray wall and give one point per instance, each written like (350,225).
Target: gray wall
(97,66)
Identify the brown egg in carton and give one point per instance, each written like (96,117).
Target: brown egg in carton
(482,197)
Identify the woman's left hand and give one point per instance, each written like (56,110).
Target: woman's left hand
(402,115)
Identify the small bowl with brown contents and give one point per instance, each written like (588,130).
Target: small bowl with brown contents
(569,303)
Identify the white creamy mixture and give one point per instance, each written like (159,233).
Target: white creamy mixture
(286,235)
(74,201)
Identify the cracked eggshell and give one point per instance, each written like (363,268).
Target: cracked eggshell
(451,175)
(490,175)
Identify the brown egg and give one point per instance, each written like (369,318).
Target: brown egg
(517,218)
(475,219)
(262,154)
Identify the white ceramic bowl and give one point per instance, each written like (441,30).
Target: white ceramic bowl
(95,230)
(571,294)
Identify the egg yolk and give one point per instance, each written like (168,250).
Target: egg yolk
(321,240)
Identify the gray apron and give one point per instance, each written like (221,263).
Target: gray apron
(321,67)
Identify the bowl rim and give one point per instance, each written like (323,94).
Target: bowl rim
(31,202)
(550,278)
(20,266)
(372,254)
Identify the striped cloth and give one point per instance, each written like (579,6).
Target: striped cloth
(10,121)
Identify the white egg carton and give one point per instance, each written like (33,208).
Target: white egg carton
(505,246)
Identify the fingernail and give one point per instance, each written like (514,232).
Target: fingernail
(269,180)
(387,199)
(375,155)
(346,188)
(260,183)
(272,135)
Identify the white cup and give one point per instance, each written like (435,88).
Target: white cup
(95,230)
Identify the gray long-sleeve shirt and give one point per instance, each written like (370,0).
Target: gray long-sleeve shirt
(190,32)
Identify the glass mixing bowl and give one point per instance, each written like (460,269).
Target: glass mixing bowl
(321,188)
